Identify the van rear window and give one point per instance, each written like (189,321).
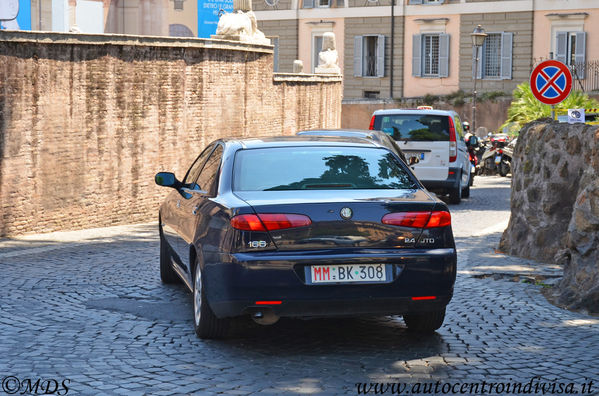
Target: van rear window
(414,127)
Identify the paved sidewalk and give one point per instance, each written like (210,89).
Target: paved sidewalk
(88,306)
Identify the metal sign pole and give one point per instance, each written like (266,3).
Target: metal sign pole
(553,112)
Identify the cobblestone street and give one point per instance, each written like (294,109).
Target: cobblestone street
(88,306)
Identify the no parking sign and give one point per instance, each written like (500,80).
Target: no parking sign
(551,82)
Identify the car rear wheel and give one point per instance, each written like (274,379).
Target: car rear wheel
(455,194)
(466,191)
(426,322)
(167,273)
(206,324)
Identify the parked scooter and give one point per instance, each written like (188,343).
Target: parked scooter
(498,158)
(473,145)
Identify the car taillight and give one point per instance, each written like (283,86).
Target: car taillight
(275,221)
(248,222)
(269,221)
(453,144)
(371,127)
(418,219)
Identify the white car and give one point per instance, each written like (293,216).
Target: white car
(436,138)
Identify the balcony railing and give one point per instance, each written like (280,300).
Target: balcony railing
(585,76)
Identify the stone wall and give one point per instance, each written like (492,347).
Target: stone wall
(555,206)
(87,120)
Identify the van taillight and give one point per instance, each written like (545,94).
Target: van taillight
(269,221)
(371,127)
(453,144)
(418,219)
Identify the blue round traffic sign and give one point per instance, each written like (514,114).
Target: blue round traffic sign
(551,82)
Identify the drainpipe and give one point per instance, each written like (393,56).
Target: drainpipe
(403,43)
(297,30)
(392,48)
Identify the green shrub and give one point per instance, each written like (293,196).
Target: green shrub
(492,95)
(526,108)
(430,99)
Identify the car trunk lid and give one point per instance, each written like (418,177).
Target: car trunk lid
(354,221)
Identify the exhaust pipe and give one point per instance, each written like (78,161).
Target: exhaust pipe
(265,317)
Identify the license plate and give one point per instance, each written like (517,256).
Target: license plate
(498,159)
(347,273)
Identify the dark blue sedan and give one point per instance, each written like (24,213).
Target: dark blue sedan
(305,226)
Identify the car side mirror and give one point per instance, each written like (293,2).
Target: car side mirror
(167,179)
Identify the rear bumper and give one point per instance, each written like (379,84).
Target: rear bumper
(236,282)
(443,186)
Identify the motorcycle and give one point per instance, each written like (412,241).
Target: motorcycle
(498,158)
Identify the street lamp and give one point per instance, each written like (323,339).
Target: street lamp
(478,39)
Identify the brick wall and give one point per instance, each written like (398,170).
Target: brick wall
(87,120)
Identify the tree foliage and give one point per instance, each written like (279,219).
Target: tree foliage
(525,107)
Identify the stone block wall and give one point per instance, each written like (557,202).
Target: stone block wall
(555,206)
(87,120)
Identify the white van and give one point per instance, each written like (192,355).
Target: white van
(436,138)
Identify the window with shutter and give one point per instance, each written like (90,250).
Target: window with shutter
(370,49)
(369,56)
(380,56)
(444,55)
(580,55)
(417,55)
(561,46)
(430,55)
(358,56)
(490,56)
(570,48)
(316,49)
(507,39)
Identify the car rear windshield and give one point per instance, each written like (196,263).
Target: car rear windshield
(318,168)
(414,127)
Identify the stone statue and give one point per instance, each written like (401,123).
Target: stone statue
(298,66)
(240,25)
(328,58)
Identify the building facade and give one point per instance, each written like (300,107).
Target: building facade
(412,49)
(175,18)
(420,47)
